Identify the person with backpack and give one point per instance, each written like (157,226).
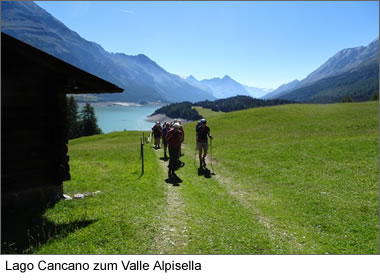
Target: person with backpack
(157,132)
(174,138)
(202,135)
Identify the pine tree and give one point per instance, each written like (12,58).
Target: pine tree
(375,96)
(88,122)
(346,99)
(72,117)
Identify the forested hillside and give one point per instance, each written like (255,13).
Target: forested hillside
(184,110)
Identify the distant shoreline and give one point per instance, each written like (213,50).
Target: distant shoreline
(124,104)
(164,118)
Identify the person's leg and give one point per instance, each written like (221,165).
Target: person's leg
(175,160)
(165,148)
(199,148)
(205,148)
(171,161)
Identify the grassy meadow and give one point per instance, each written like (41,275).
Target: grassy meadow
(121,219)
(206,113)
(310,172)
(292,179)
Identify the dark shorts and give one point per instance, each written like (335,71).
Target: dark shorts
(202,145)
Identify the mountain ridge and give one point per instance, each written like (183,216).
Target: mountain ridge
(360,83)
(281,89)
(142,78)
(214,86)
(342,62)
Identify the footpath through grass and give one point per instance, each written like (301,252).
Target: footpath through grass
(293,179)
(311,171)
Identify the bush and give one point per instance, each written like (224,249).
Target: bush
(347,99)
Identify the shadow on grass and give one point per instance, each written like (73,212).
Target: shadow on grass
(203,171)
(25,232)
(175,180)
(164,158)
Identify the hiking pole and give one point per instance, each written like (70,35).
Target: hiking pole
(142,156)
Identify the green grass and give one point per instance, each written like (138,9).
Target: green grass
(217,223)
(123,218)
(292,179)
(206,113)
(311,169)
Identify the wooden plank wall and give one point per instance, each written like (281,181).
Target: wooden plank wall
(34,142)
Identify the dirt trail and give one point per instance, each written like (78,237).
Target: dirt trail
(172,237)
(247,201)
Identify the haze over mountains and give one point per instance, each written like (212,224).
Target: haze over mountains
(282,88)
(226,87)
(352,71)
(142,79)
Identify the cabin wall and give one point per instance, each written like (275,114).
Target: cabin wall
(34,140)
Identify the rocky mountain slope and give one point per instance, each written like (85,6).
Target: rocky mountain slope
(142,79)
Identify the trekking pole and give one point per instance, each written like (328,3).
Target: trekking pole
(142,156)
(195,155)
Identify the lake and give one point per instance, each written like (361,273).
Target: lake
(123,116)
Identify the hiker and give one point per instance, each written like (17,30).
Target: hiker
(202,132)
(157,132)
(174,138)
(165,131)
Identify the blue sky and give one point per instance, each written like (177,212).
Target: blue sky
(261,44)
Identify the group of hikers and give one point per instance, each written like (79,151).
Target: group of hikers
(173,135)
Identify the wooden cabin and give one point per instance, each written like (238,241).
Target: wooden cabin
(34,84)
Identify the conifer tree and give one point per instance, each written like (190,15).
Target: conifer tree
(346,99)
(88,122)
(72,117)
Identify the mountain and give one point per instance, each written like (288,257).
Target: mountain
(360,83)
(225,87)
(194,82)
(143,79)
(281,89)
(257,92)
(343,61)
(350,72)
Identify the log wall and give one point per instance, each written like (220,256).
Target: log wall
(34,141)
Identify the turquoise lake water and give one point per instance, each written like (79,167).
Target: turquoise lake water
(119,118)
